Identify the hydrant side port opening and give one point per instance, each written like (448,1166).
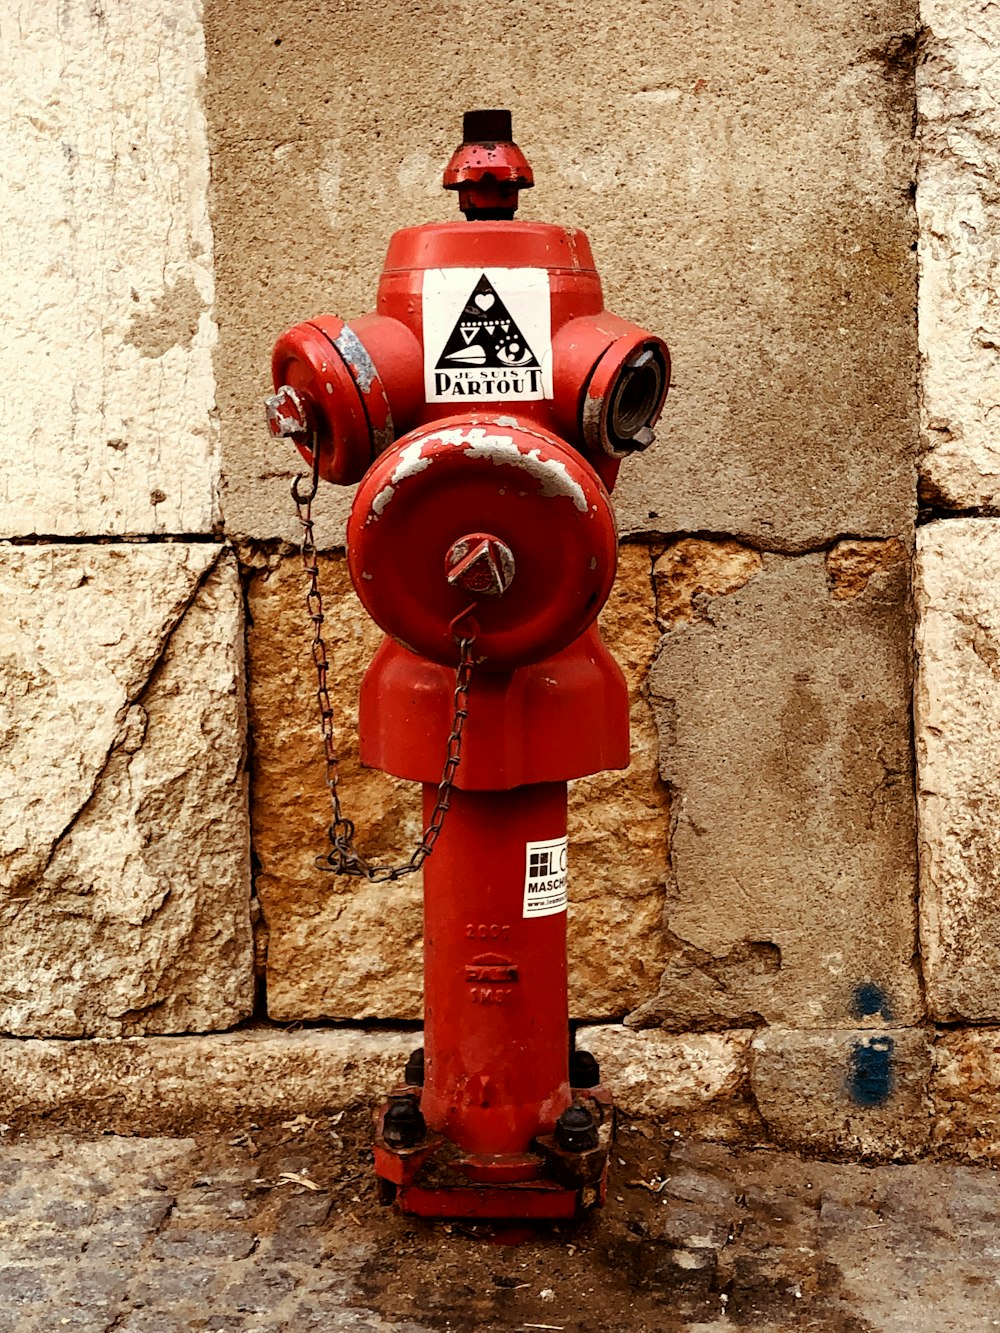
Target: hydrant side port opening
(485,410)
(625,395)
(611,381)
(635,400)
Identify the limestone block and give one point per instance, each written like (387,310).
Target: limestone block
(743,173)
(965,1090)
(783,709)
(175,1084)
(337,948)
(351,950)
(957,718)
(958,206)
(619,829)
(844,1093)
(107,389)
(656,1074)
(124,858)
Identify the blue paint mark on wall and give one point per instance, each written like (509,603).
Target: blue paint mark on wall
(869,1073)
(869,998)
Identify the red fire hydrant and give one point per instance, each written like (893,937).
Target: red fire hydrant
(485,410)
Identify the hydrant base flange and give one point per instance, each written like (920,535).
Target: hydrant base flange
(434,1179)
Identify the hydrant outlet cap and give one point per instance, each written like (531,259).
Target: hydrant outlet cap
(519,519)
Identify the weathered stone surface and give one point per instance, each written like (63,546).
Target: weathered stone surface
(958,206)
(348,949)
(785,743)
(656,1074)
(965,1091)
(216,1233)
(176,1083)
(106,378)
(851,563)
(161,1084)
(692,570)
(619,828)
(124,866)
(957,718)
(845,1093)
(744,179)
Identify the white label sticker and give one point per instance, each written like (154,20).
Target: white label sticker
(487,335)
(545,877)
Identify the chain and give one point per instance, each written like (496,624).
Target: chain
(344,857)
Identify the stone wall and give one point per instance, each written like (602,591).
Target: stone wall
(124,838)
(752,939)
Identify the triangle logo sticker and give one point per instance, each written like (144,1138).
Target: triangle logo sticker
(487,335)
(478,338)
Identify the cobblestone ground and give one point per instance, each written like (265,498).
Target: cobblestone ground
(279,1230)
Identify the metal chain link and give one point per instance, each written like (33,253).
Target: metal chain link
(344,857)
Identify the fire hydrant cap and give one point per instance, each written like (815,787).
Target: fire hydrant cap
(487,126)
(500,483)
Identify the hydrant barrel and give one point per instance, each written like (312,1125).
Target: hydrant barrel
(496,1015)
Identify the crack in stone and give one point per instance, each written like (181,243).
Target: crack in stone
(660,541)
(136,696)
(140,1011)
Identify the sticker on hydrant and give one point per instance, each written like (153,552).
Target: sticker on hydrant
(487,335)
(545,877)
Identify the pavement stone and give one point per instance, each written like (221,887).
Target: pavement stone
(278,1231)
